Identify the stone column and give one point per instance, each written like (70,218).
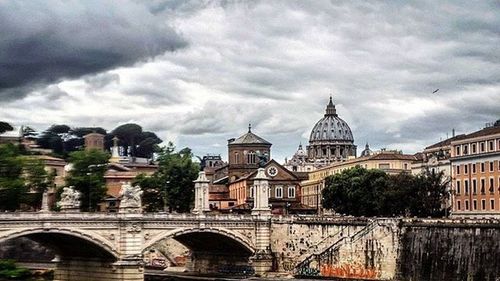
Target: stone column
(261,200)
(262,260)
(201,193)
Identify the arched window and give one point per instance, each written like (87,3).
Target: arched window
(291,191)
(251,157)
(251,192)
(236,157)
(278,192)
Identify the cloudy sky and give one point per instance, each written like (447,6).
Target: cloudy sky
(197,72)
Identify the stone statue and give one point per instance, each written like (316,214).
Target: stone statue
(130,197)
(263,159)
(70,199)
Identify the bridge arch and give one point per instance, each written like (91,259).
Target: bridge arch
(183,234)
(67,242)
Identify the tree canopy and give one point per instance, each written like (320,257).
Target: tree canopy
(362,192)
(173,182)
(63,140)
(4,127)
(22,179)
(87,176)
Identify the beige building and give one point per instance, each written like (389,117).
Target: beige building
(392,162)
(475,166)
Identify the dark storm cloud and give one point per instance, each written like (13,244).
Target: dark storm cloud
(45,41)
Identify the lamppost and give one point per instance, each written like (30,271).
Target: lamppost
(165,196)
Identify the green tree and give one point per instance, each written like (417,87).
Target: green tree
(172,186)
(362,192)
(87,176)
(154,196)
(4,127)
(128,134)
(12,187)
(37,180)
(432,194)
(356,191)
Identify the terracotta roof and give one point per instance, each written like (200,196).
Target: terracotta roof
(249,138)
(484,132)
(446,141)
(301,175)
(46,157)
(392,156)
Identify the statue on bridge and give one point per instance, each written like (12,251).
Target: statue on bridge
(70,199)
(130,199)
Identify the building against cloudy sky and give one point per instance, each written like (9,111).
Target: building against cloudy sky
(196,72)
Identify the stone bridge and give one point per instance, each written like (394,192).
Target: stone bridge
(110,246)
(101,246)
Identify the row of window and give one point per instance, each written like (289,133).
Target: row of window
(278,192)
(251,157)
(474,205)
(466,149)
(473,167)
(482,186)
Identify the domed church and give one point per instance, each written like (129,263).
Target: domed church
(331,139)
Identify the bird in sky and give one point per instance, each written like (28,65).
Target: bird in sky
(435,91)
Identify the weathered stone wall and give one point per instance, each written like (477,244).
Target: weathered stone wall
(455,250)
(337,247)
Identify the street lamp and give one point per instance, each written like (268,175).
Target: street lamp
(165,196)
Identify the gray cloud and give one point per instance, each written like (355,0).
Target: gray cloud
(274,64)
(46,41)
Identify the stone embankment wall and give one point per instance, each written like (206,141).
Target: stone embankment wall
(388,249)
(450,250)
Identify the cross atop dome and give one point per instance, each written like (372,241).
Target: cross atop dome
(330,108)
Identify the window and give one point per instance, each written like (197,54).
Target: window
(230,204)
(467,204)
(474,186)
(492,204)
(491,166)
(251,157)
(466,168)
(291,191)
(457,150)
(458,205)
(474,168)
(251,192)
(278,192)
(458,187)
(490,144)
(481,146)
(492,185)
(482,186)
(482,167)
(474,204)
(384,166)
(236,157)
(406,166)
(466,186)
(483,204)
(458,169)
(466,149)
(473,148)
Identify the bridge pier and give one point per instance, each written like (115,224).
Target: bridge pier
(94,270)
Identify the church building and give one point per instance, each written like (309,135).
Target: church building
(331,141)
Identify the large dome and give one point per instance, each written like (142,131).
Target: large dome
(331,128)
